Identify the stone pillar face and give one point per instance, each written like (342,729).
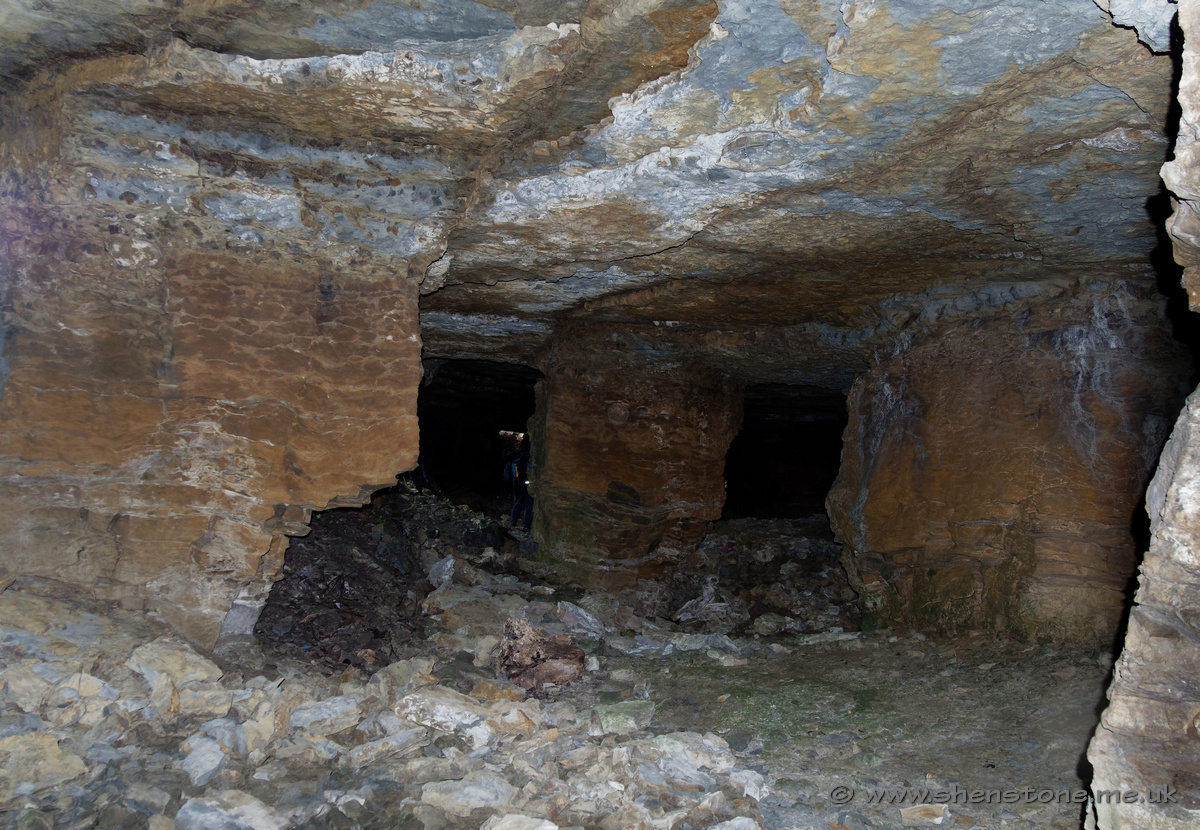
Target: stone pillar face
(991,467)
(629,464)
(182,382)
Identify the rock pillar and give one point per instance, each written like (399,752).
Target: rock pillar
(992,465)
(629,462)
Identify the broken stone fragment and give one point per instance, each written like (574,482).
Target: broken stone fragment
(482,647)
(688,642)
(497,690)
(769,624)
(725,659)
(398,679)
(516,821)
(174,658)
(739,823)
(204,700)
(448,711)
(423,770)
(508,719)
(164,697)
(258,732)
(634,646)
(751,783)
(228,733)
(24,687)
(228,810)
(459,798)
(622,718)
(683,776)
(579,620)
(85,685)
(723,643)
(326,717)
(33,762)
(442,572)
(579,757)
(204,760)
(706,751)
(145,798)
(924,815)
(309,749)
(392,745)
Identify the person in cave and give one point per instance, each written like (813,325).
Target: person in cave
(517,471)
(424,478)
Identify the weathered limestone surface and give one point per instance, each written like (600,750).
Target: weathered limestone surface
(1149,733)
(991,465)
(1147,736)
(1182,173)
(629,471)
(220,220)
(212,259)
(193,361)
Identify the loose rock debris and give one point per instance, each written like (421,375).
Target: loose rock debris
(510,704)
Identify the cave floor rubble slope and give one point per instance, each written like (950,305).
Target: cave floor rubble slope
(605,719)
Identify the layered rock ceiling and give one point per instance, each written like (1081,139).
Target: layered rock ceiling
(232,231)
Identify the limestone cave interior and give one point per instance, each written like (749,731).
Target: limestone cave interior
(854,340)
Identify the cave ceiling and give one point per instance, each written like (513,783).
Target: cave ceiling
(774,187)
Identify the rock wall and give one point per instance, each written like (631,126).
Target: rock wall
(1182,173)
(201,344)
(629,458)
(1147,738)
(992,464)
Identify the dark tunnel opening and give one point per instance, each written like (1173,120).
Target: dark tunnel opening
(465,407)
(785,459)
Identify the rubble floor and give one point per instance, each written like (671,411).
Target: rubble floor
(886,712)
(108,721)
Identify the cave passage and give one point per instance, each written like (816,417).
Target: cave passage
(464,406)
(786,456)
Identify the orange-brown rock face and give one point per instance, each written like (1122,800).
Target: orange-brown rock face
(215,218)
(991,467)
(211,261)
(182,390)
(631,467)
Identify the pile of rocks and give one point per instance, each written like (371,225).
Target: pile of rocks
(107,721)
(359,590)
(755,576)
(351,590)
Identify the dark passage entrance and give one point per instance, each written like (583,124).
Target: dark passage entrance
(786,457)
(463,406)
